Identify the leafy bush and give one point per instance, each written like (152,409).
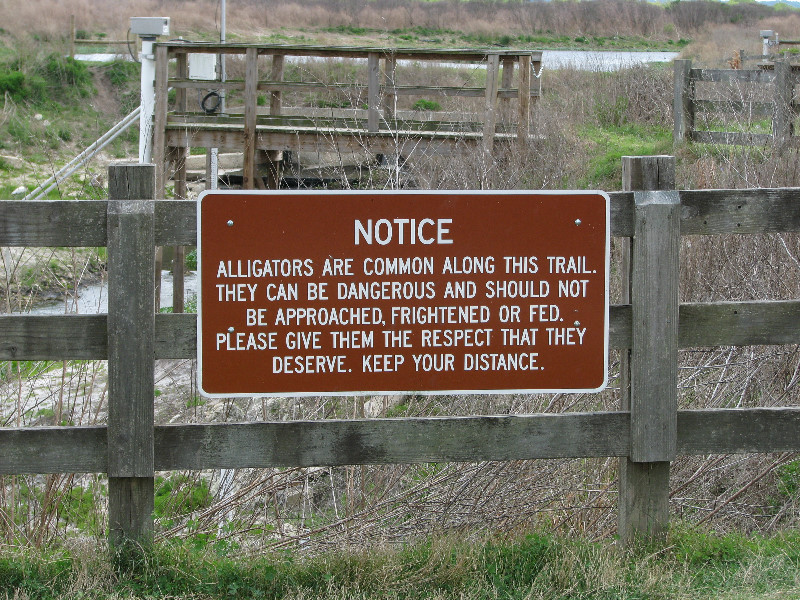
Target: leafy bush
(21,87)
(423,104)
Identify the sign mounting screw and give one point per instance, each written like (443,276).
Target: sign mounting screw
(230,223)
(577,222)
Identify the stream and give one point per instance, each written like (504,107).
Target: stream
(93,298)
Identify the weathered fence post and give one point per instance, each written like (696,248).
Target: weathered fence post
(131,332)
(683,101)
(490,110)
(524,98)
(782,128)
(649,369)
(72,36)
(373,91)
(250,118)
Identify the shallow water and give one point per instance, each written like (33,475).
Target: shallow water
(587,60)
(93,299)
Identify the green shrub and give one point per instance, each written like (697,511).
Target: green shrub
(423,104)
(21,87)
(122,72)
(191,260)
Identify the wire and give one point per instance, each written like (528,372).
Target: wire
(130,49)
(210,110)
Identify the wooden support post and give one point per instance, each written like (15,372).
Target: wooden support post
(160,148)
(275,100)
(179,259)
(269,163)
(373,92)
(683,101)
(524,93)
(250,102)
(389,91)
(131,335)
(490,112)
(181,72)
(160,121)
(179,170)
(506,81)
(72,36)
(782,126)
(649,370)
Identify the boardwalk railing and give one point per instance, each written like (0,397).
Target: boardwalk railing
(646,433)
(772,87)
(371,122)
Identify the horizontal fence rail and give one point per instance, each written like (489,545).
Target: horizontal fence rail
(374,441)
(399,441)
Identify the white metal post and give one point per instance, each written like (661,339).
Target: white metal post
(214,162)
(148,100)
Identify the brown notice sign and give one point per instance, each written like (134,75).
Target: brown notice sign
(313,293)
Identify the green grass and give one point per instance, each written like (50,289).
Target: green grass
(612,142)
(697,565)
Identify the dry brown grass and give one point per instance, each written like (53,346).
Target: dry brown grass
(50,19)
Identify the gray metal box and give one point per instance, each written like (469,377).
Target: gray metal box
(150,26)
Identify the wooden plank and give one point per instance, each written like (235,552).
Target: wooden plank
(506,79)
(176,336)
(62,337)
(72,36)
(740,323)
(654,344)
(181,72)
(53,450)
(747,109)
(643,502)
(739,431)
(389,88)
(782,126)
(389,441)
(53,223)
(731,138)
(524,112)
(160,122)
(728,75)
(83,337)
(275,99)
(175,222)
(621,213)
(134,525)
(490,113)
(682,107)
(411,144)
(422,54)
(249,134)
(83,222)
(131,326)
(373,92)
(643,486)
(204,84)
(739,211)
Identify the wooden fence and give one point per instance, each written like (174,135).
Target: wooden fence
(648,327)
(779,76)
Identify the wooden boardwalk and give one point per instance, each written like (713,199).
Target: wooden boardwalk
(374,126)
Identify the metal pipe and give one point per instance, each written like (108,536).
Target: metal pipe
(82,158)
(148,100)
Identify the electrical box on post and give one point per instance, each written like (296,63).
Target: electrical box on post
(150,26)
(203,67)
